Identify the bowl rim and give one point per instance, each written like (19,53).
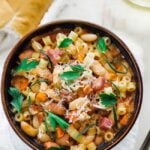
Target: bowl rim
(89,24)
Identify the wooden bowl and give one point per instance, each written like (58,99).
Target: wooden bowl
(69,24)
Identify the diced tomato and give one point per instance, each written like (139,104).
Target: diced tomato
(105,123)
(98,84)
(26,54)
(54,55)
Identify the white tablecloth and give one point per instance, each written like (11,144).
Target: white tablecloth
(63,9)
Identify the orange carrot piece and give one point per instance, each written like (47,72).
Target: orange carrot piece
(80,57)
(124,120)
(41,97)
(87,89)
(60,132)
(20,82)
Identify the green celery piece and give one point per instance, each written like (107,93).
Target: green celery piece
(62,123)
(52,121)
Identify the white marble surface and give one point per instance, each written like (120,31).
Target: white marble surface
(128,22)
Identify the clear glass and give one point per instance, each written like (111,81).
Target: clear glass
(143,3)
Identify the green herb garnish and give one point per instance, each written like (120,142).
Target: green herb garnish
(85,130)
(39,81)
(49,60)
(29,101)
(114,68)
(77,68)
(17,98)
(54,120)
(48,130)
(116,87)
(65,43)
(115,117)
(101,45)
(72,75)
(56,148)
(110,100)
(26,66)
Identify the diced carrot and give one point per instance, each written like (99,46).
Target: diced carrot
(60,132)
(87,89)
(20,82)
(111,76)
(26,54)
(80,92)
(80,57)
(41,97)
(124,119)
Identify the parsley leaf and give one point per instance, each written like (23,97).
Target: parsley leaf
(65,43)
(78,68)
(54,120)
(26,66)
(108,100)
(101,46)
(17,98)
(70,75)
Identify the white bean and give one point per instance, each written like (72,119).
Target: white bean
(89,37)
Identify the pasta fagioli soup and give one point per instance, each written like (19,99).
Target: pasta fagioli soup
(72,89)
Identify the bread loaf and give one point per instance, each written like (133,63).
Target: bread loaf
(6,12)
(29,15)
